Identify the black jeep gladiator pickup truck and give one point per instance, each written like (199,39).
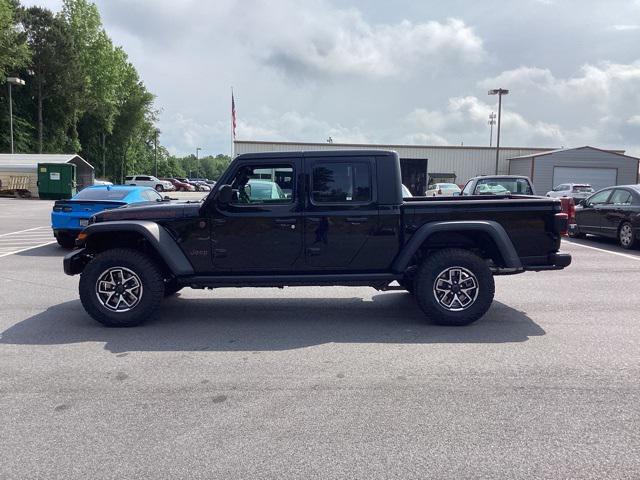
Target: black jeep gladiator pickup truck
(315,218)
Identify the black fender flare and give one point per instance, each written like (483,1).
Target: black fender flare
(157,236)
(490,227)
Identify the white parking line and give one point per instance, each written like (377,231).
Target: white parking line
(23,240)
(632,257)
(21,231)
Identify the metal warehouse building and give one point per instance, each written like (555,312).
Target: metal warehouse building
(422,165)
(598,168)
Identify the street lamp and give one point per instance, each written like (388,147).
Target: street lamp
(198,161)
(12,81)
(500,92)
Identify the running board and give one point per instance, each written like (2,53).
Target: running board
(347,279)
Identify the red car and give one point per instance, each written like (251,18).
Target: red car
(180,186)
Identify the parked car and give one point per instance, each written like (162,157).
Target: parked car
(196,185)
(200,185)
(180,186)
(577,191)
(257,191)
(442,189)
(69,217)
(612,212)
(346,223)
(499,185)
(149,181)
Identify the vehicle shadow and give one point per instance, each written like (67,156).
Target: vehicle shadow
(51,250)
(264,324)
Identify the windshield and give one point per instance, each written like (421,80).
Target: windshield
(101,194)
(502,186)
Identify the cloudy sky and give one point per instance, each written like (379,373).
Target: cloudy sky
(375,71)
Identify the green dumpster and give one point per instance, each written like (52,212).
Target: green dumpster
(56,181)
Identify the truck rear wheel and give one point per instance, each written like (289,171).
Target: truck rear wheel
(121,287)
(454,287)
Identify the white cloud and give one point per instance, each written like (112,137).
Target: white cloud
(293,126)
(323,39)
(625,28)
(465,119)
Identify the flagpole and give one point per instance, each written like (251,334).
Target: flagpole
(232,129)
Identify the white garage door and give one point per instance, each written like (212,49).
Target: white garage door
(596,177)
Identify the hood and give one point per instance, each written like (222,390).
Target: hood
(153,212)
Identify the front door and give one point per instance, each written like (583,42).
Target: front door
(260,230)
(590,216)
(341,212)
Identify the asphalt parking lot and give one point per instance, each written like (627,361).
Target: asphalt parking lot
(319,382)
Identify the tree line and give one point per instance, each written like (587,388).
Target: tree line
(82,95)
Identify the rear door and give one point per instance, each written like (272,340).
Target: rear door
(341,211)
(616,210)
(590,217)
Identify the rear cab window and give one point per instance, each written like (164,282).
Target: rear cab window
(341,182)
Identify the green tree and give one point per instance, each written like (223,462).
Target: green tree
(14,53)
(54,83)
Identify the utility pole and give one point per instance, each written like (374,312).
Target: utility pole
(12,81)
(155,151)
(492,122)
(500,92)
(104,160)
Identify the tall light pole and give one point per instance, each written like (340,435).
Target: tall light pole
(500,92)
(492,122)
(155,151)
(12,81)
(198,161)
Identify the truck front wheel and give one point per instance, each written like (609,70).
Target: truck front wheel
(121,287)
(454,287)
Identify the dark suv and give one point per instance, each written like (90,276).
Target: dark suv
(329,218)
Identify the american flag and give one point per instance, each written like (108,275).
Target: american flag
(233,115)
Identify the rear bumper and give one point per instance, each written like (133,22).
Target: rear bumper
(74,262)
(556,261)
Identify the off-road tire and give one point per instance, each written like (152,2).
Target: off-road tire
(66,241)
(626,236)
(435,265)
(143,266)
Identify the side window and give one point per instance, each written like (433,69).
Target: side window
(128,179)
(600,197)
(151,196)
(620,197)
(263,184)
(143,179)
(467,188)
(341,183)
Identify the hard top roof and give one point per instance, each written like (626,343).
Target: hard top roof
(318,153)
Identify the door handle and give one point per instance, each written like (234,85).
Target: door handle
(285,221)
(219,221)
(313,219)
(313,251)
(356,220)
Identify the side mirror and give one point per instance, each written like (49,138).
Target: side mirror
(224,195)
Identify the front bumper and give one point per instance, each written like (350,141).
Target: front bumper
(74,262)
(556,261)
